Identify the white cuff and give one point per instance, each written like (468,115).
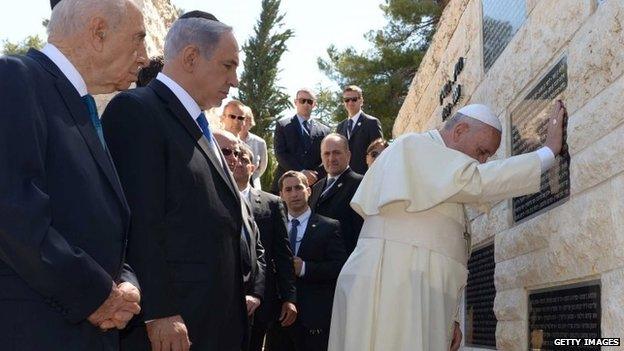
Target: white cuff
(302,269)
(547,158)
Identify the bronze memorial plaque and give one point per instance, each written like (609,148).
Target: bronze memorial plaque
(480,293)
(565,313)
(528,133)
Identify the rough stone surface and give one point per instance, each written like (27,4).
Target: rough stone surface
(613,306)
(511,335)
(511,305)
(596,119)
(596,58)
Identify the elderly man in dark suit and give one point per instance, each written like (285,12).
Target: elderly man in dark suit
(63,216)
(187,213)
(278,305)
(331,196)
(319,256)
(359,128)
(297,141)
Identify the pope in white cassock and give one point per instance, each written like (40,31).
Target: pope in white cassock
(399,290)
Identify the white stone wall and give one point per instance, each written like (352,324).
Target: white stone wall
(582,239)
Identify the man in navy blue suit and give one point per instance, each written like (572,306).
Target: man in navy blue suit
(297,141)
(63,215)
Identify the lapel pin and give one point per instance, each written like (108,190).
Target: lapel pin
(359,123)
(313,225)
(339,185)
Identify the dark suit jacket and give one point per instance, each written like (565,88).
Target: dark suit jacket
(367,129)
(336,204)
(323,252)
(63,215)
(270,217)
(187,216)
(290,149)
(253,262)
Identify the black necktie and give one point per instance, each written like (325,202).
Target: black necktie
(349,128)
(292,235)
(307,138)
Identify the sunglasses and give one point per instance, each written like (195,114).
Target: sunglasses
(353,99)
(227,152)
(305,101)
(374,153)
(240,118)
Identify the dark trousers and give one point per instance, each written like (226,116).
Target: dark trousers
(297,338)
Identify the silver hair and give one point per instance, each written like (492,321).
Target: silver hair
(70,17)
(194,31)
(307,90)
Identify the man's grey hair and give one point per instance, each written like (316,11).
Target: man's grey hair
(70,17)
(245,149)
(307,90)
(203,33)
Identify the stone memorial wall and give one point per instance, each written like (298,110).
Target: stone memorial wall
(571,234)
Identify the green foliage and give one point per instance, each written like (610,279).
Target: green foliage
(258,87)
(20,48)
(384,72)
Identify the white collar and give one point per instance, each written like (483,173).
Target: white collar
(245,192)
(302,217)
(356,116)
(301,119)
(185,98)
(338,176)
(66,67)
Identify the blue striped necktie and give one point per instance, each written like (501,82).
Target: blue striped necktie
(95,119)
(205,126)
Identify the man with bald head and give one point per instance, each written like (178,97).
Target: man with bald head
(331,196)
(63,215)
(400,288)
(187,213)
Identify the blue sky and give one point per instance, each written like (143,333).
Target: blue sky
(317,24)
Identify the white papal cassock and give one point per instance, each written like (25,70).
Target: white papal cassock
(399,289)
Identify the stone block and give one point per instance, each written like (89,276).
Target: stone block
(595,55)
(511,305)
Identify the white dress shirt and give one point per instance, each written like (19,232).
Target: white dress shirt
(259,148)
(190,105)
(355,118)
(66,67)
(245,193)
(301,228)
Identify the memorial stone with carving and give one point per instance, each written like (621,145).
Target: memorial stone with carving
(558,255)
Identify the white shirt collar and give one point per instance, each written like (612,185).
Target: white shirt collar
(245,192)
(301,119)
(66,67)
(185,98)
(338,176)
(356,116)
(303,217)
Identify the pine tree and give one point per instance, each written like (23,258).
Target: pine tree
(258,87)
(385,72)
